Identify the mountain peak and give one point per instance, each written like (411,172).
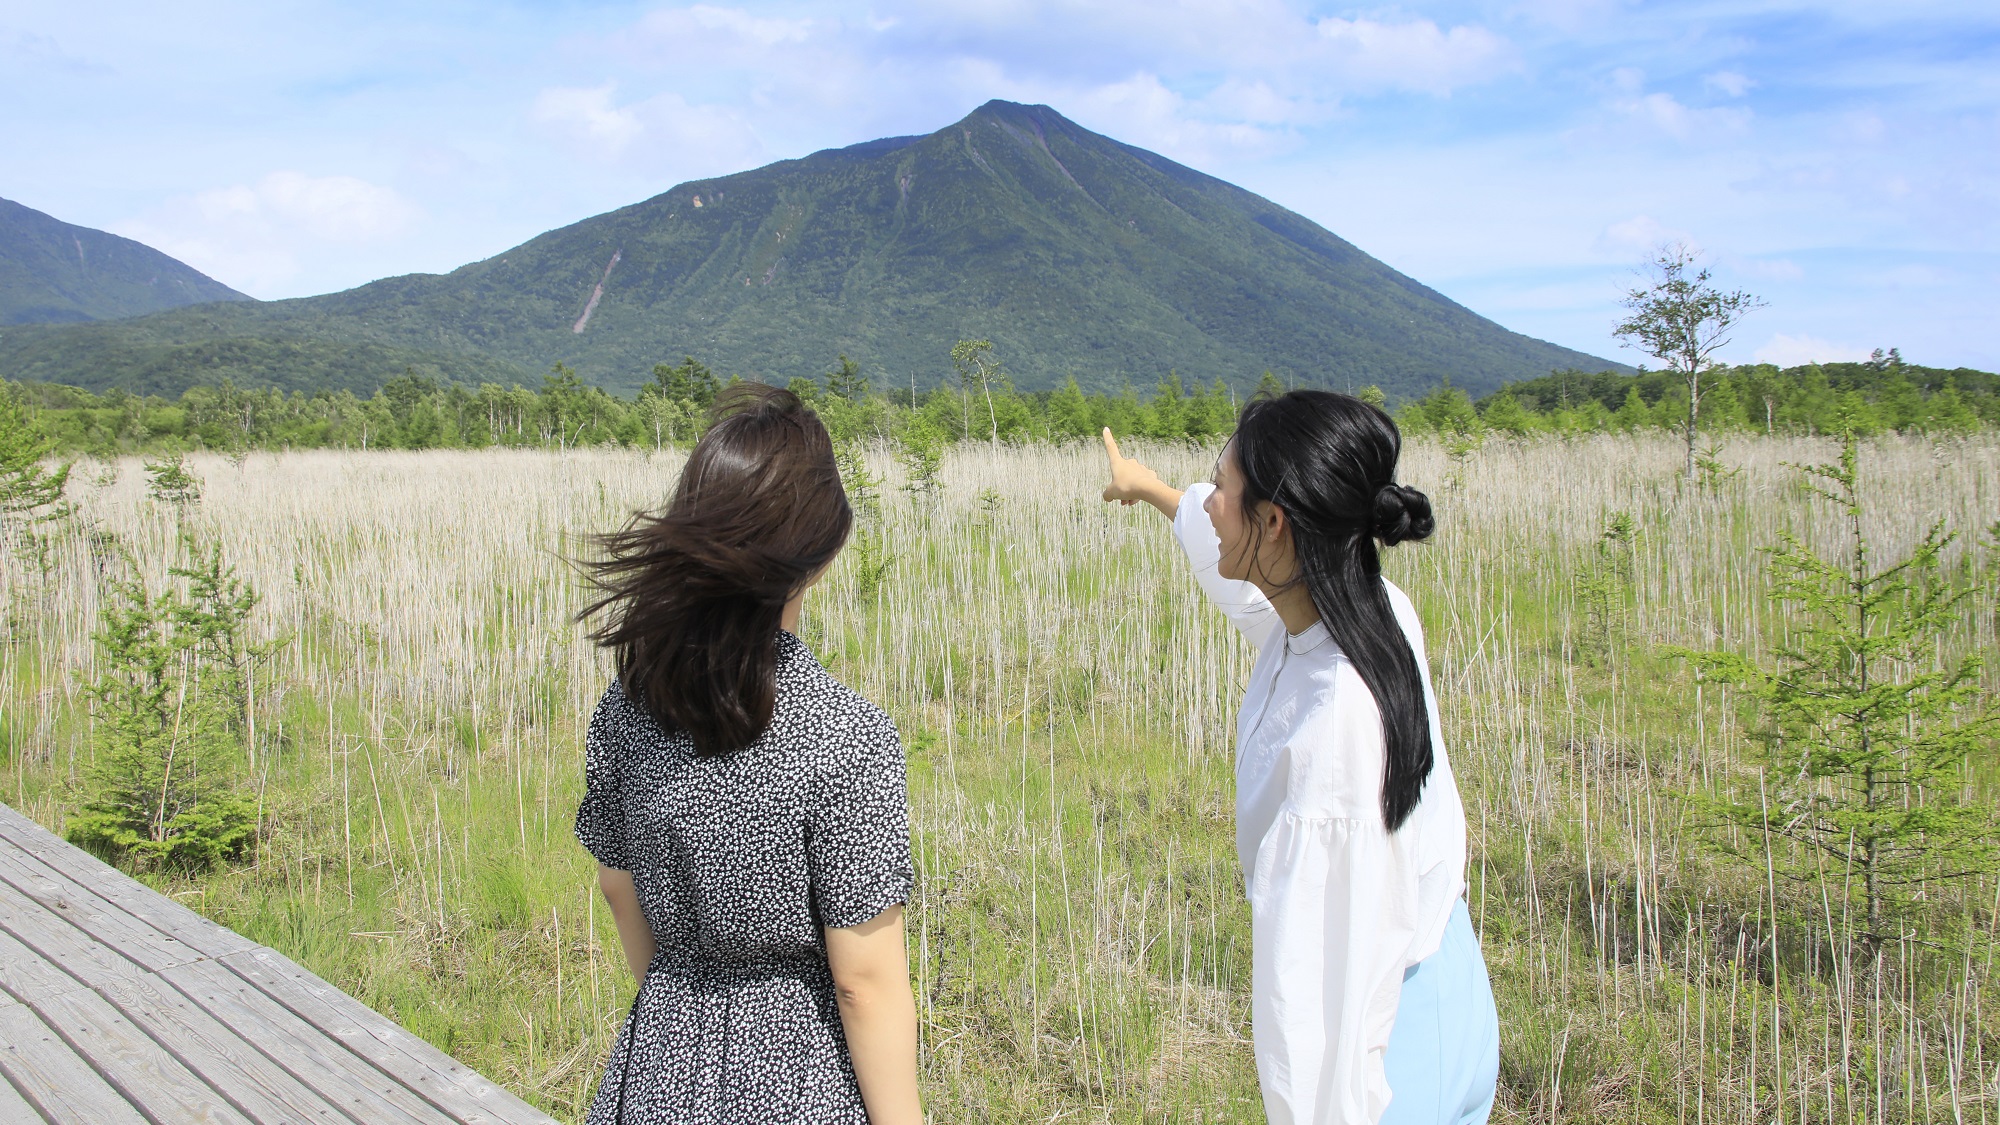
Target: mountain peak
(1077,255)
(57,272)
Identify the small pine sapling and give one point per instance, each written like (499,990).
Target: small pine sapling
(922,457)
(1865,729)
(864,489)
(1604,586)
(170,481)
(172,716)
(31,487)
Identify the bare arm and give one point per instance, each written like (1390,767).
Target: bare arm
(634,932)
(1132,482)
(871,974)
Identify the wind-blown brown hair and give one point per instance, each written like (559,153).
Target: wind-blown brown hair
(691,595)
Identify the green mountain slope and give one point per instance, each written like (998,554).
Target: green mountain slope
(55,272)
(1074,253)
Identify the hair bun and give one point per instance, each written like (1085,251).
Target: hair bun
(1402,514)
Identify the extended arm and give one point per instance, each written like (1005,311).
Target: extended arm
(1132,482)
(634,932)
(871,976)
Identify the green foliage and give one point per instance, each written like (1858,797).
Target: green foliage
(864,489)
(1604,587)
(922,457)
(1821,398)
(1866,730)
(170,481)
(417,410)
(171,721)
(872,560)
(31,488)
(690,383)
(846,380)
(1683,320)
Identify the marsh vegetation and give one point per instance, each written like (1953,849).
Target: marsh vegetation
(408,742)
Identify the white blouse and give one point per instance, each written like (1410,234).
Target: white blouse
(1339,906)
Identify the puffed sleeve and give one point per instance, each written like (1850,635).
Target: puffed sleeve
(600,819)
(1334,911)
(1243,603)
(858,848)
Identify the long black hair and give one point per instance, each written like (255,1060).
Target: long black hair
(694,593)
(1328,461)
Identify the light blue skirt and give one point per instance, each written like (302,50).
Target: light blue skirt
(1444,1054)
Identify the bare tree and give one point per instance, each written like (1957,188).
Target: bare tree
(1682,320)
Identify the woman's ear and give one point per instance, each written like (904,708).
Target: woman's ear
(1275,525)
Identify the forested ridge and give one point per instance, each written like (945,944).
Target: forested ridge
(414,411)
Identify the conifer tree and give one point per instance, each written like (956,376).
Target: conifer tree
(1865,728)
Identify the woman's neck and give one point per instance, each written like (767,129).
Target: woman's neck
(788,618)
(1295,607)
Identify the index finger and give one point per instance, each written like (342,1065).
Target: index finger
(1111,447)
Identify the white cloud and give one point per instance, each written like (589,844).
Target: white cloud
(252,235)
(1667,114)
(1640,233)
(1729,82)
(587,114)
(663,131)
(1792,351)
(1414,55)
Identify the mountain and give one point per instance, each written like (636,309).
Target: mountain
(53,272)
(1075,254)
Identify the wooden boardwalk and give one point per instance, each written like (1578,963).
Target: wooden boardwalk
(118,1004)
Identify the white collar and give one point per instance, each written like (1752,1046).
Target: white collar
(1307,639)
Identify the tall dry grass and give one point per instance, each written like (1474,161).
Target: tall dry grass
(1079,938)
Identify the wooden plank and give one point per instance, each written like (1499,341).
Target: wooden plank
(61,1086)
(59,941)
(150,1078)
(85,909)
(262,1089)
(14,1107)
(320,1062)
(29,976)
(123,891)
(445,1082)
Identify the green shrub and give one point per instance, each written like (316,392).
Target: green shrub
(163,789)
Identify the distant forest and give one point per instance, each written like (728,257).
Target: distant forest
(415,412)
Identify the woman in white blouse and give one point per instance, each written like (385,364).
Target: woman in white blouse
(1370,999)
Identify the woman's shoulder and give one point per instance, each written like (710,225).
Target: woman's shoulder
(813,704)
(619,719)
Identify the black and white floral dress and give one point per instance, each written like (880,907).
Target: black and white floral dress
(738,860)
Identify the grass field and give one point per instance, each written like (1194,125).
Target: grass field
(1079,934)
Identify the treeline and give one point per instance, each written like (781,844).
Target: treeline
(414,412)
(1874,396)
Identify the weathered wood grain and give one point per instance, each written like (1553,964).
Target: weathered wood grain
(357,1087)
(225,1059)
(26,976)
(132,938)
(447,1083)
(120,1005)
(14,1107)
(134,1063)
(60,1085)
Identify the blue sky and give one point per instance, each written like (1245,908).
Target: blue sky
(1841,159)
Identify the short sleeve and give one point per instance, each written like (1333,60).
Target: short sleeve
(858,847)
(600,819)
